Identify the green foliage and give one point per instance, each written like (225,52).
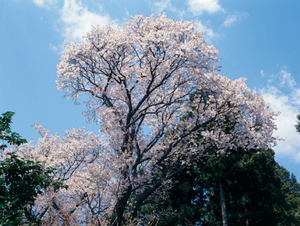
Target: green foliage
(20,180)
(257,191)
(6,135)
(190,200)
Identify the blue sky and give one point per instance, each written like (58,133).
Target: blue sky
(256,39)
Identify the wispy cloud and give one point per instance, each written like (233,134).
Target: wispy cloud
(288,104)
(78,20)
(160,6)
(166,5)
(262,73)
(45,3)
(282,79)
(296,96)
(232,19)
(286,78)
(127,12)
(197,7)
(208,32)
(56,49)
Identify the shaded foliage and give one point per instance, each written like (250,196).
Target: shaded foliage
(6,135)
(257,191)
(20,180)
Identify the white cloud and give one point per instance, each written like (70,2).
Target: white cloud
(289,108)
(231,19)
(44,3)
(127,12)
(78,20)
(286,78)
(161,6)
(285,122)
(296,96)
(197,7)
(207,31)
(53,48)
(125,18)
(56,49)
(281,79)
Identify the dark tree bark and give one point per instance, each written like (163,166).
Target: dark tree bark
(117,216)
(223,205)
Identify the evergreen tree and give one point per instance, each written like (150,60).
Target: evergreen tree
(257,192)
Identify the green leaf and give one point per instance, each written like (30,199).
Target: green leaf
(20,211)
(14,201)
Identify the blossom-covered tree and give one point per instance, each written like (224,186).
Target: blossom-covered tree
(78,161)
(138,82)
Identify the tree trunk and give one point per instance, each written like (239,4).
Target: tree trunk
(117,215)
(223,205)
(247,220)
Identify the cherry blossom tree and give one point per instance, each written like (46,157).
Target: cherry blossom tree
(78,161)
(137,82)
